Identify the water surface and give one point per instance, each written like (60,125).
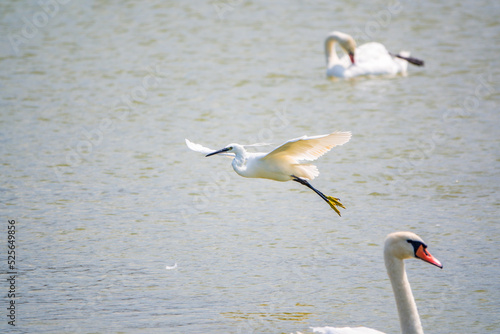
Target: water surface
(98,97)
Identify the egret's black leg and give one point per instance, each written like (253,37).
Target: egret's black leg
(332,201)
(307,184)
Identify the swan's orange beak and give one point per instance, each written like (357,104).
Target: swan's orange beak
(423,254)
(351,56)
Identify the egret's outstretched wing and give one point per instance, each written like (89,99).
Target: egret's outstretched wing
(205,150)
(257,145)
(309,148)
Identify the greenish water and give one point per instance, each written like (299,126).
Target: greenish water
(97,97)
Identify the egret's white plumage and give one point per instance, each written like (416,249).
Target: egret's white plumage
(367,59)
(398,247)
(285,162)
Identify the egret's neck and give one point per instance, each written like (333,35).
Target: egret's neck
(407,309)
(331,54)
(240,163)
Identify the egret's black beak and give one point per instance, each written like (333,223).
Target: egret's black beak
(225,149)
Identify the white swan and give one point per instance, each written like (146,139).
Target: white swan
(368,59)
(398,246)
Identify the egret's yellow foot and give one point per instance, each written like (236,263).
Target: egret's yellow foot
(333,202)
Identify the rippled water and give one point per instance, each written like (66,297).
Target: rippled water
(98,96)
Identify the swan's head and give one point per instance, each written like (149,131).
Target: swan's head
(231,148)
(346,42)
(405,245)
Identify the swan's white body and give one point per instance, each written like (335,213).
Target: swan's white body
(367,59)
(285,162)
(346,330)
(398,246)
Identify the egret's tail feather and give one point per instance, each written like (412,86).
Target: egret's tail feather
(306,171)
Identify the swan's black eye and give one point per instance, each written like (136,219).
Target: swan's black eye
(416,245)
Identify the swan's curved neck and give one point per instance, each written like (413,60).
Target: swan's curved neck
(331,55)
(407,308)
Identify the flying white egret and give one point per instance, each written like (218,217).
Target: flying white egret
(398,247)
(367,59)
(284,163)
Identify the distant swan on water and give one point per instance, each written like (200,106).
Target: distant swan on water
(367,59)
(398,247)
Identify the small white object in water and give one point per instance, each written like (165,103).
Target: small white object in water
(171,267)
